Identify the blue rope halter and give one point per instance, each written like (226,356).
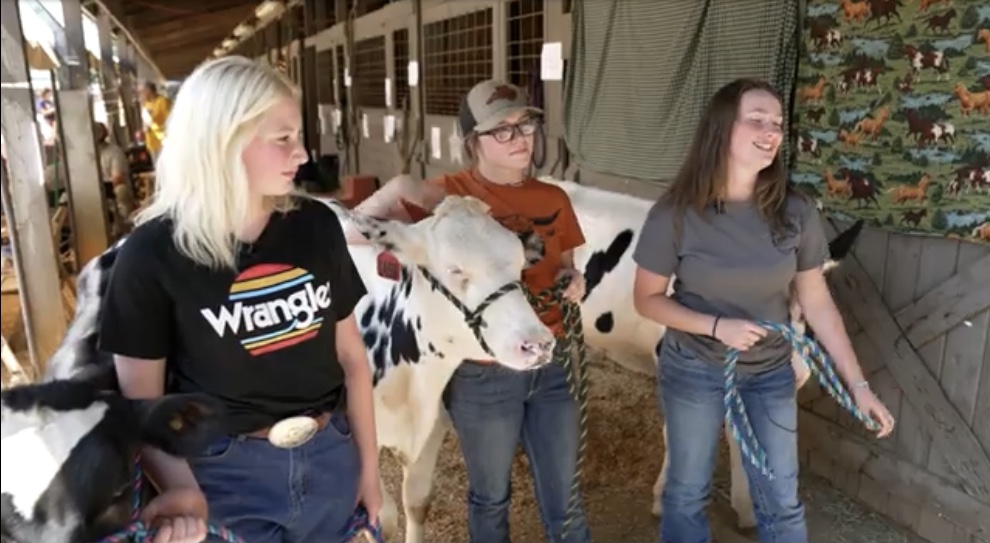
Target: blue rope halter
(821,366)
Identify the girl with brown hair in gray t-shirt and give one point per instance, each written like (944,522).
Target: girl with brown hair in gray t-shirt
(736,237)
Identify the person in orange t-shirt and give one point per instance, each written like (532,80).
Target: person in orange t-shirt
(491,406)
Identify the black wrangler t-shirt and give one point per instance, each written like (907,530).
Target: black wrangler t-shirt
(261,339)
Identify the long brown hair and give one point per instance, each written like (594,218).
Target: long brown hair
(702,179)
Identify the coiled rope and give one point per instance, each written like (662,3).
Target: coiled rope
(821,366)
(572,355)
(138,532)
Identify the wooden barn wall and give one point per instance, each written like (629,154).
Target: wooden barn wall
(918,476)
(938,487)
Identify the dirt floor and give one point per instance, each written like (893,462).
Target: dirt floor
(623,461)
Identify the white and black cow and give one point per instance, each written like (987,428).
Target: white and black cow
(70,443)
(412,422)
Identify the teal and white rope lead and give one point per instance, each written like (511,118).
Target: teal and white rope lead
(821,366)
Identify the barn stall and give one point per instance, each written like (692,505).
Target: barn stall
(382,80)
(389,104)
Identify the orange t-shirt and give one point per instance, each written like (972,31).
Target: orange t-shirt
(532,206)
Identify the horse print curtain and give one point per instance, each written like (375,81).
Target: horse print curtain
(893,113)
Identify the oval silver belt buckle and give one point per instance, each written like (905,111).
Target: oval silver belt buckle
(292,432)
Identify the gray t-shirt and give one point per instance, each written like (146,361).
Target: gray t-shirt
(730,266)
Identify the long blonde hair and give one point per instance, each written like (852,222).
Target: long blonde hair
(201,183)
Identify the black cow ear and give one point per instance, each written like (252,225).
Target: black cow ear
(182,424)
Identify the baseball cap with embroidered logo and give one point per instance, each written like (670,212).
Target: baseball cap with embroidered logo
(489,103)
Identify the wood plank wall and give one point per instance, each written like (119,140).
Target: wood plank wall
(906,475)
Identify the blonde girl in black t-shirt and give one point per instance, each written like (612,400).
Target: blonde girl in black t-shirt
(232,286)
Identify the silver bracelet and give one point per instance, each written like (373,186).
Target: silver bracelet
(860,384)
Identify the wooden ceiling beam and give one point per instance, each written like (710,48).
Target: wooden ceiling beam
(206,19)
(150,20)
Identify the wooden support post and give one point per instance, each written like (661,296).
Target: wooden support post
(128,75)
(25,200)
(349,110)
(18,375)
(75,114)
(109,82)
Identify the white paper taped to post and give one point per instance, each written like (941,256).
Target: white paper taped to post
(435,142)
(389,128)
(413,73)
(388,92)
(364,126)
(455,145)
(347,76)
(552,61)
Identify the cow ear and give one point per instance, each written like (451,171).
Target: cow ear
(403,240)
(181,424)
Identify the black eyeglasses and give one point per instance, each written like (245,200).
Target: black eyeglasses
(507,132)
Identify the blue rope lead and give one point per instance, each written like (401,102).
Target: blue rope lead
(821,366)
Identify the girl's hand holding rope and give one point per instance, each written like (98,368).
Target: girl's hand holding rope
(178,516)
(575,289)
(869,404)
(739,334)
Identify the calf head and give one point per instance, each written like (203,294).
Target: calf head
(476,263)
(69,448)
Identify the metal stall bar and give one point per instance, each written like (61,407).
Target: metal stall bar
(24,197)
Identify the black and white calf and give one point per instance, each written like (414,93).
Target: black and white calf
(69,442)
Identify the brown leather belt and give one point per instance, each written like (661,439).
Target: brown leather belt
(321,419)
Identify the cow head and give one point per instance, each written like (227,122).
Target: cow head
(68,454)
(478,262)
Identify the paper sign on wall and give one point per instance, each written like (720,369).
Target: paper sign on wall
(435,142)
(456,146)
(364,126)
(389,128)
(388,92)
(552,61)
(413,73)
(326,118)
(347,76)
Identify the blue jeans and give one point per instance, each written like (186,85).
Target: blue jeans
(265,494)
(691,391)
(492,407)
